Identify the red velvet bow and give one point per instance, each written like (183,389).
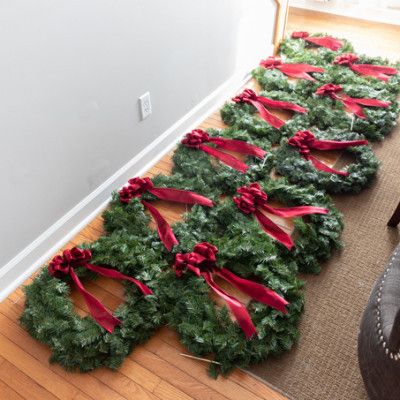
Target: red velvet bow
(377,71)
(299,71)
(254,198)
(324,41)
(138,186)
(352,104)
(74,258)
(202,262)
(259,102)
(305,141)
(198,137)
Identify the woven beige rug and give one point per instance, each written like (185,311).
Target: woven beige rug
(324,363)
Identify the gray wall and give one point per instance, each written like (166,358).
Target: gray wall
(70,76)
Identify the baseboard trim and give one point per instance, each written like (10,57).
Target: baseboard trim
(18,269)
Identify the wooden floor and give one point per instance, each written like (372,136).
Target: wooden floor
(155,370)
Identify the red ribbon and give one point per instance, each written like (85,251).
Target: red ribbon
(352,104)
(138,186)
(75,257)
(377,71)
(299,71)
(202,262)
(325,41)
(305,141)
(253,198)
(198,137)
(259,102)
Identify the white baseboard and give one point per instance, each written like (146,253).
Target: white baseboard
(17,270)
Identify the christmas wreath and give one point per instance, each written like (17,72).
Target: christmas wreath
(246,116)
(201,156)
(102,338)
(295,161)
(127,208)
(228,227)
(266,326)
(321,47)
(355,108)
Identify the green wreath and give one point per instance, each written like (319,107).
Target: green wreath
(325,113)
(226,226)
(196,165)
(131,217)
(207,330)
(298,51)
(81,343)
(297,169)
(244,116)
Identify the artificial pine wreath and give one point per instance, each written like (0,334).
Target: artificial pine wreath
(197,165)
(245,116)
(227,227)
(298,50)
(207,329)
(298,169)
(325,113)
(81,343)
(126,212)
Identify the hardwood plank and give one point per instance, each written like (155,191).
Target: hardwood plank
(7,393)
(176,377)
(22,384)
(197,369)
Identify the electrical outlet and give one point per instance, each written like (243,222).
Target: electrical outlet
(145,105)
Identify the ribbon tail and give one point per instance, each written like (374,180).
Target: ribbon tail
(267,116)
(274,230)
(238,309)
(239,146)
(255,290)
(227,159)
(114,274)
(327,41)
(377,71)
(299,71)
(164,230)
(353,107)
(283,105)
(323,167)
(97,310)
(299,211)
(371,102)
(181,196)
(336,145)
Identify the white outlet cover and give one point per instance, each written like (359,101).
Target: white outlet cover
(145,105)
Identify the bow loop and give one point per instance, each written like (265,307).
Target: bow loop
(196,138)
(71,258)
(246,96)
(271,62)
(346,59)
(303,140)
(300,35)
(254,190)
(329,90)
